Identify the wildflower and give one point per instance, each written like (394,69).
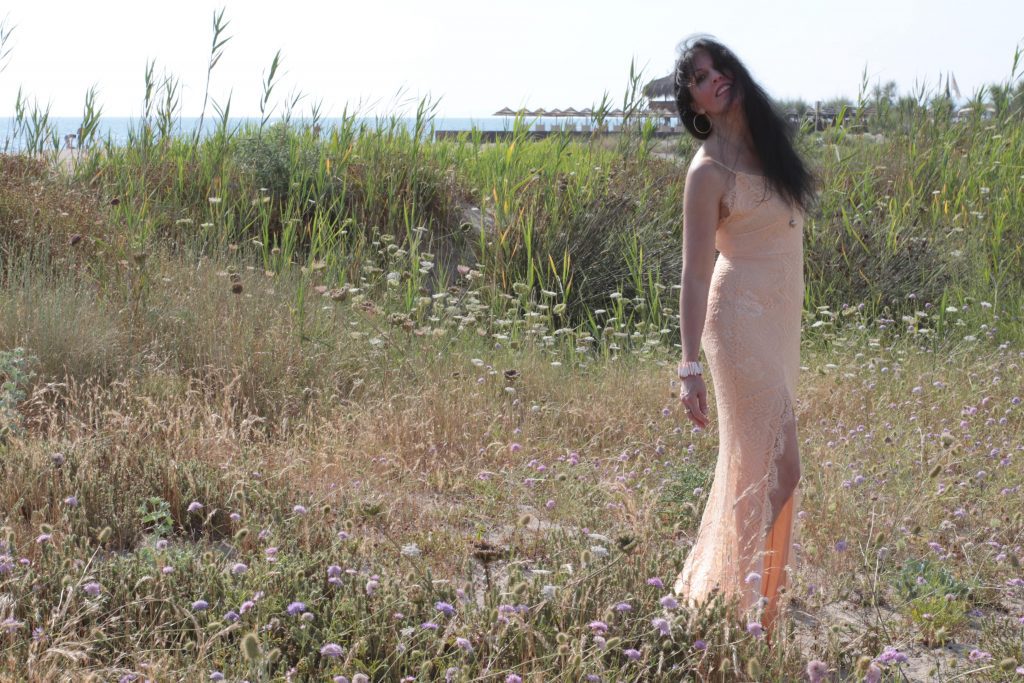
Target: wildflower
(161,544)
(216,676)
(700,645)
(10,625)
(623,607)
(890,655)
(669,602)
(360,678)
(200,605)
(755,629)
(444,608)
(296,608)
(411,550)
(428,626)
(598,626)
(817,670)
(235,517)
(841,546)
(979,655)
(752,577)
(239,568)
(371,586)
(512,678)
(340,679)
(167,569)
(515,447)
(656,582)
(873,674)
(550,505)
(342,535)
(631,654)
(464,644)
(71,501)
(332,650)
(92,589)
(334,571)
(43,538)
(246,606)
(662,626)
(299,509)
(231,616)
(195,506)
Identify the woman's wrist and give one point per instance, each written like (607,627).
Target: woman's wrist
(689,369)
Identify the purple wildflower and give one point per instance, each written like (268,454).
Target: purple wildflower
(464,644)
(662,625)
(631,654)
(296,608)
(200,605)
(332,650)
(890,655)
(444,608)
(195,506)
(755,629)
(817,670)
(92,589)
(669,602)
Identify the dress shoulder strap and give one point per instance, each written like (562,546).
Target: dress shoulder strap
(721,164)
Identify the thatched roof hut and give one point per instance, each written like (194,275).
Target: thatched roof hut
(504,112)
(661,88)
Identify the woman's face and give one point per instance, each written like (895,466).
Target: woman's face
(711,89)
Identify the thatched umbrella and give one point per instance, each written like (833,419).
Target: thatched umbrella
(554,112)
(661,87)
(586,112)
(504,112)
(616,112)
(570,112)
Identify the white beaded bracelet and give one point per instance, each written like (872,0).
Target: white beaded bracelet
(690,368)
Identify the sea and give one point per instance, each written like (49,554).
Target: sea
(116,128)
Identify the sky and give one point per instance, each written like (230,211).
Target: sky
(473,57)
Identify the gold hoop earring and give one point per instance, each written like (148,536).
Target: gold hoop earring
(696,128)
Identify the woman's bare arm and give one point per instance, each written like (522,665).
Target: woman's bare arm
(701,197)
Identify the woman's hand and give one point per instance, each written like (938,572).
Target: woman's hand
(693,394)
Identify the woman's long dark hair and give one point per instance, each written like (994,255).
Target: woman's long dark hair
(771,133)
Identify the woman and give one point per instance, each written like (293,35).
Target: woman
(746,194)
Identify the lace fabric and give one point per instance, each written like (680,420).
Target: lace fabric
(752,343)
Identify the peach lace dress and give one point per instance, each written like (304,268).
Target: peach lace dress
(752,342)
